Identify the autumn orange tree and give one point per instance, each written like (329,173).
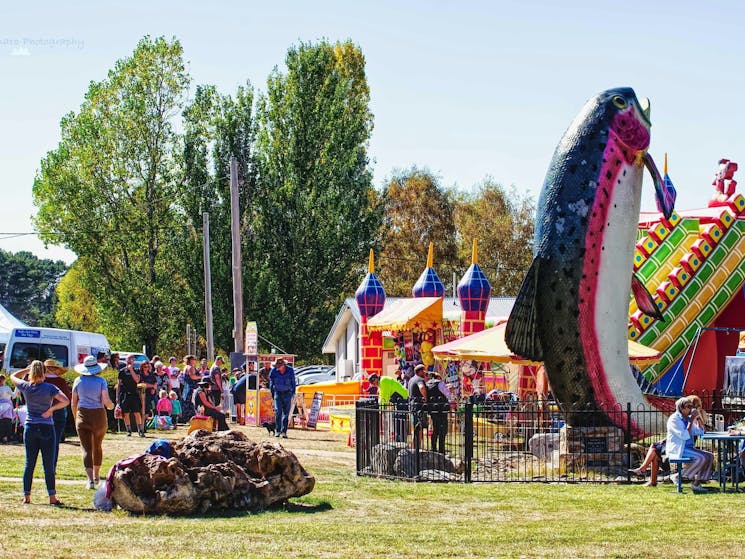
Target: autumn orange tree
(417,210)
(503,223)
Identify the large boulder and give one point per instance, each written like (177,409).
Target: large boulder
(384,458)
(543,445)
(223,470)
(405,465)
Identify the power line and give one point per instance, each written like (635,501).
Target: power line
(14,234)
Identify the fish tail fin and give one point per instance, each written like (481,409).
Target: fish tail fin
(521,335)
(644,299)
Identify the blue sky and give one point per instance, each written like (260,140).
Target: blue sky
(466,89)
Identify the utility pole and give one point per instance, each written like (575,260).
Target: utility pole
(235,235)
(207,284)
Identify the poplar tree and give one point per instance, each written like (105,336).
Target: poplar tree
(319,213)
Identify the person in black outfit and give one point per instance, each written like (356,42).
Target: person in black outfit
(148,376)
(438,404)
(201,399)
(128,395)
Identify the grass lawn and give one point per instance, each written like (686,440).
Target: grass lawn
(350,516)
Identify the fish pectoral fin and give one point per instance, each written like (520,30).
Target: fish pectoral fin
(521,334)
(644,299)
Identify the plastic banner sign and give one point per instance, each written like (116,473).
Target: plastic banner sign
(315,409)
(252,338)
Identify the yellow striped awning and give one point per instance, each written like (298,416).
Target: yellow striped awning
(489,345)
(407,314)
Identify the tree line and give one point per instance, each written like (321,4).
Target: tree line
(147,153)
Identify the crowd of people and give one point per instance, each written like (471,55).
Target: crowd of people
(169,392)
(429,398)
(176,393)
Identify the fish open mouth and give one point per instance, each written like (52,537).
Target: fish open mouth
(632,130)
(645,108)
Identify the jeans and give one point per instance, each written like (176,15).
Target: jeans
(39,437)
(282,403)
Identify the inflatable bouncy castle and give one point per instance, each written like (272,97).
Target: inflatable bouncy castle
(693,263)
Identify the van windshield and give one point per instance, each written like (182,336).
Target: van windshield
(24,353)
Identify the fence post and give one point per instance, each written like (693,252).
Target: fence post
(359,440)
(628,442)
(468,436)
(419,435)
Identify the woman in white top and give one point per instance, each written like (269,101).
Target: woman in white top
(681,428)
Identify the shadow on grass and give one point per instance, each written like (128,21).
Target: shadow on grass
(306,508)
(293,508)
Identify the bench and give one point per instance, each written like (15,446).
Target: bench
(200,422)
(679,469)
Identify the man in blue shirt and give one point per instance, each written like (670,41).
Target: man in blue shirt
(282,387)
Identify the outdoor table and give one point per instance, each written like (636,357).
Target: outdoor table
(728,461)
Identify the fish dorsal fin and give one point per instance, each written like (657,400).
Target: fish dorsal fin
(521,335)
(644,299)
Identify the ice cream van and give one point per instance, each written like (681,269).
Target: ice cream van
(68,347)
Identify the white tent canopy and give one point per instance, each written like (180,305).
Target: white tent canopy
(7,323)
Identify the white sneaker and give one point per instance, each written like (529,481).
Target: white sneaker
(90,485)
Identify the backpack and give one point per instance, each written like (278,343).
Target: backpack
(435,398)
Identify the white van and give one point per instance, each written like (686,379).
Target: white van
(68,347)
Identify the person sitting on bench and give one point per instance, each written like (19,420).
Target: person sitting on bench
(201,398)
(682,426)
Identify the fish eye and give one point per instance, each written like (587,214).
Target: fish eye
(619,101)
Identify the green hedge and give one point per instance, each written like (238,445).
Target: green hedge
(109,374)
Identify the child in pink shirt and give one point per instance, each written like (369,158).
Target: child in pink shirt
(164,406)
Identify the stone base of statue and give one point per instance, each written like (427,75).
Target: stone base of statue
(588,448)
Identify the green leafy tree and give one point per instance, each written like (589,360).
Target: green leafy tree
(417,211)
(216,128)
(76,307)
(27,286)
(106,192)
(502,222)
(317,213)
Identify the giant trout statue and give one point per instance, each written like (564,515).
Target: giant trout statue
(572,309)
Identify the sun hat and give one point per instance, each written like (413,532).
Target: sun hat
(54,367)
(279,362)
(89,366)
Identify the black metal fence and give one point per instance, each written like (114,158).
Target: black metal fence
(509,441)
